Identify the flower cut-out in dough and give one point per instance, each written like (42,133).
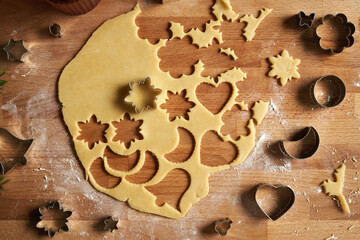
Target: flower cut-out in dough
(177,105)
(142,95)
(284,67)
(127,130)
(92,131)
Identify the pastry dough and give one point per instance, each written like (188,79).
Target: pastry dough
(336,188)
(229,52)
(221,8)
(284,67)
(89,85)
(253,23)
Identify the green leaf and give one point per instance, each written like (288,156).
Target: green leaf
(2,82)
(2,183)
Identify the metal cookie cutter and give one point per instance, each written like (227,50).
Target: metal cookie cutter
(328,91)
(306,20)
(15,50)
(7,159)
(55,206)
(222,226)
(55,30)
(350,30)
(110,224)
(307,137)
(137,93)
(290,200)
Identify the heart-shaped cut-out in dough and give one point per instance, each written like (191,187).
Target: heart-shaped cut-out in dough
(213,98)
(214,151)
(274,200)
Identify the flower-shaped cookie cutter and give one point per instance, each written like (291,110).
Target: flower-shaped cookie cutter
(15,50)
(306,20)
(142,99)
(290,200)
(334,89)
(8,163)
(310,137)
(110,224)
(222,226)
(55,205)
(349,27)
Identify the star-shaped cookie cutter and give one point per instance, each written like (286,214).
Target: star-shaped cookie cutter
(110,224)
(151,102)
(63,228)
(15,50)
(6,137)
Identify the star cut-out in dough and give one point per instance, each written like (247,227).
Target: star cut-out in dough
(142,95)
(284,67)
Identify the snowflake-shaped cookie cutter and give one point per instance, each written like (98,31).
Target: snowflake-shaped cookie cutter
(49,230)
(135,97)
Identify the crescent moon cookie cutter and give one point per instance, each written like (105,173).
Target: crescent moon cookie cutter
(306,20)
(289,200)
(328,91)
(306,144)
(54,206)
(7,159)
(15,50)
(142,95)
(347,39)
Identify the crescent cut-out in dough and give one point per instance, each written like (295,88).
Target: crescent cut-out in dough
(90,84)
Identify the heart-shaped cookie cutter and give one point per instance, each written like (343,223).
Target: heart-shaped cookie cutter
(335,85)
(306,154)
(283,210)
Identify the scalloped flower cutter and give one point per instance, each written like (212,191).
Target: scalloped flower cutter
(110,224)
(222,226)
(60,220)
(306,20)
(287,197)
(15,50)
(142,95)
(328,91)
(349,27)
(303,146)
(12,151)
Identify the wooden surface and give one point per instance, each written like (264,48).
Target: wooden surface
(30,109)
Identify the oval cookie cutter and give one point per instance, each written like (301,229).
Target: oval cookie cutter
(278,214)
(350,27)
(304,136)
(333,86)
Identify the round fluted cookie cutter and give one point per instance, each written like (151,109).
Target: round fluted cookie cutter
(328,91)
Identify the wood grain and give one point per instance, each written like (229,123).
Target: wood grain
(30,109)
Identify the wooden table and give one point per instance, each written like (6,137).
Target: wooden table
(30,109)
